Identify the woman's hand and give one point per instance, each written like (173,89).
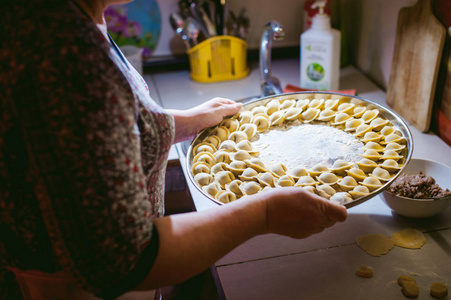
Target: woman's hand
(296,213)
(189,122)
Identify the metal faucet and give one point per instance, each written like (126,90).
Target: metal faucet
(270,85)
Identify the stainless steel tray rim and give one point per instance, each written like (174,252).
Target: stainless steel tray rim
(392,115)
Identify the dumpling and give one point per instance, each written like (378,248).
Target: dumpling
(219,167)
(310,189)
(370,115)
(278,169)
(221,132)
(262,122)
(345,107)
(374,146)
(225,196)
(331,104)
(358,111)
(359,191)
(238,136)
(234,187)
(266,179)
(309,115)
(381,174)
(204,157)
(328,178)
(241,155)
(250,188)
(352,124)
(391,154)
(214,140)
(277,118)
(394,147)
(371,154)
(325,191)
(231,124)
(224,177)
(272,106)
(392,138)
(358,174)
(316,103)
(256,164)
(227,145)
(371,136)
(259,110)
(222,156)
(284,180)
(362,129)
(292,113)
(211,189)
(200,167)
(347,183)
(340,166)
(285,104)
(302,103)
(387,130)
(245,145)
(297,172)
(341,118)
(305,181)
(367,165)
(245,117)
(372,183)
(249,129)
(391,165)
(203,179)
(237,167)
(318,169)
(204,147)
(326,115)
(341,198)
(248,175)
(379,123)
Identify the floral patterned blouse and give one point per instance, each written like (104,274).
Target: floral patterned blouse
(83,152)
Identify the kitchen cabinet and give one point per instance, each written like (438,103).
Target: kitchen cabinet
(322,266)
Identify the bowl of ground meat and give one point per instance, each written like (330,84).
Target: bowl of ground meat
(421,191)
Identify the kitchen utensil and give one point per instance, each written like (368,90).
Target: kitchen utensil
(421,208)
(416,58)
(193,31)
(385,112)
(202,19)
(178,24)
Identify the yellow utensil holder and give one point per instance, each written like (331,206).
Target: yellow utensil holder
(219,58)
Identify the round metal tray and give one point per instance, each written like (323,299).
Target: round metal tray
(385,112)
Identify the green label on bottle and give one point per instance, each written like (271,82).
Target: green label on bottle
(315,72)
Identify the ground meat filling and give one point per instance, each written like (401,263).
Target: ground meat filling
(417,186)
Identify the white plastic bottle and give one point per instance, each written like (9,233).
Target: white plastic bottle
(320,53)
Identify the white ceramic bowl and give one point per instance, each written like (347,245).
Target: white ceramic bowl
(422,208)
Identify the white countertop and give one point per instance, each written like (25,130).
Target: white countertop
(322,266)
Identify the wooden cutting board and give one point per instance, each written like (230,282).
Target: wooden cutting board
(416,59)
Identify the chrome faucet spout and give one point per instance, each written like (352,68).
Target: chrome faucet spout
(270,85)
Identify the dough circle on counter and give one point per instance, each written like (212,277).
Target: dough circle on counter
(365,271)
(409,238)
(375,244)
(439,290)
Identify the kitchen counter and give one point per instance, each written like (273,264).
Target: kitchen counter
(322,266)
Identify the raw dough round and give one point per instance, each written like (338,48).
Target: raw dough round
(365,271)
(410,289)
(409,238)
(375,244)
(405,278)
(439,290)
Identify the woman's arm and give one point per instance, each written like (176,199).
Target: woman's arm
(189,122)
(191,242)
